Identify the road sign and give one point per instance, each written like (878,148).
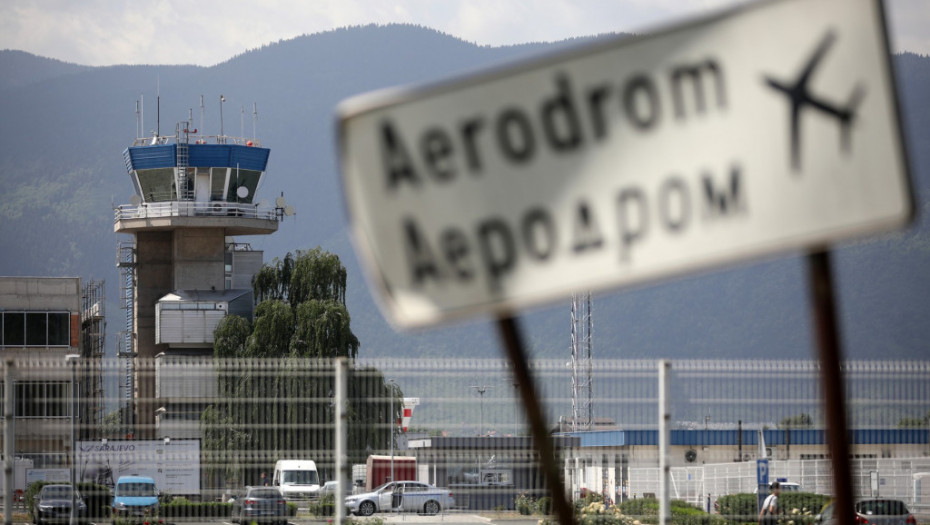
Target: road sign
(767,128)
(762,472)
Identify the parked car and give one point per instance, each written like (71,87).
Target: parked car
(329,488)
(261,504)
(410,496)
(53,505)
(879,511)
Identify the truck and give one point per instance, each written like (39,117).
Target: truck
(297,479)
(378,470)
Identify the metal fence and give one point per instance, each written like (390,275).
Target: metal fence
(215,425)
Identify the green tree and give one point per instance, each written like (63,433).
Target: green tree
(275,375)
(915,422)
(797,421)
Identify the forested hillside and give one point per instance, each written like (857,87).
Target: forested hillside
(64,128)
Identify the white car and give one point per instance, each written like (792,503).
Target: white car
(410,496)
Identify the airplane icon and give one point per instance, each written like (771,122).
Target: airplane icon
(799,97)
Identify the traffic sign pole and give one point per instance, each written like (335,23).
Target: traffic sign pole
(831,373)
(510,334)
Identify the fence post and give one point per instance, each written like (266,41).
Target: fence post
(664,421)
(341,420)
(9,438)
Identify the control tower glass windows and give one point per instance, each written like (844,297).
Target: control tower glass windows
(247,179)
(158,185)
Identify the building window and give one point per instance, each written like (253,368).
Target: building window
(42,399)
(14,329)
(35,329)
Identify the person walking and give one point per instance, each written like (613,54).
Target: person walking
(264,481)
(768,514)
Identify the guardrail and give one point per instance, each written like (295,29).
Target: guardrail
(195,209)
(197,139)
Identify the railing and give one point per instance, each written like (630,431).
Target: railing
(197,139)
(195,209)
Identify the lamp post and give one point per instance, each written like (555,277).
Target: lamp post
(391,381)
(72,359)
(481,390)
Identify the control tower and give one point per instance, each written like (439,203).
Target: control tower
(184,271)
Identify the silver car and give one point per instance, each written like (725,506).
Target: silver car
(408,496)
(880,511)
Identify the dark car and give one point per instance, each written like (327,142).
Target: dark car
(53,505)
(261,504)
(879,511)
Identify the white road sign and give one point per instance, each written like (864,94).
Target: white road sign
(771,127)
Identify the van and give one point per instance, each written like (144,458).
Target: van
(297,479)
(134,497)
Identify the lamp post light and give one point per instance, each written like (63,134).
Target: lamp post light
(72,359)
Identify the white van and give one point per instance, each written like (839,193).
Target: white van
(297,479)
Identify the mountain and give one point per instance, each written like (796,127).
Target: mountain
(65,127)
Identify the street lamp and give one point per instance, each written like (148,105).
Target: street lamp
(481,390)
(72,359)
(391,381)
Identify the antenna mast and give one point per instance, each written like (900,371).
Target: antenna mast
(138,134)
(254,118)
(201,114)
(158,106)
(582,394)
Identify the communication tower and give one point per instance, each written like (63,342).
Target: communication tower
(582,395)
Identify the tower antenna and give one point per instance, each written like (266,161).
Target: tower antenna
(242,120)
(254,118)
(138,134)
(158,106)
(201,114)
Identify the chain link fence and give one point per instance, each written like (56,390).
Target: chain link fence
(216,425)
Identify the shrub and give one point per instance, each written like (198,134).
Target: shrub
(741,507)
(800,508)
(325,506)
(524,504)
(97,498)
(640,507)
(182,508)
(544,505)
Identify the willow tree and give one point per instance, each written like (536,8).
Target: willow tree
(277,400)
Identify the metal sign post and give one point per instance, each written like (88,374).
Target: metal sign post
(831,373)
(513,343)
(762,482)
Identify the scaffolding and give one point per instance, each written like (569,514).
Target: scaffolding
(93,333)
(126,262)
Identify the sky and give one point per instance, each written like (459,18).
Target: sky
(208,32)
